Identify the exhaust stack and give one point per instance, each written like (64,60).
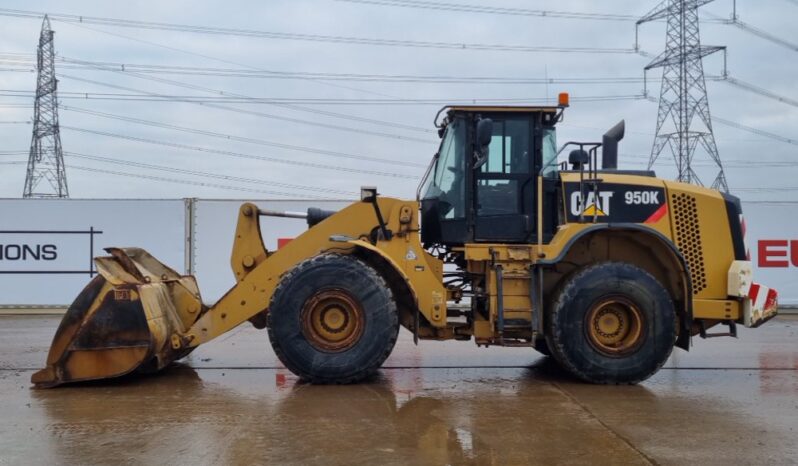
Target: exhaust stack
(609,142)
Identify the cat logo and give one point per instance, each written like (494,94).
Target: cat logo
(591,207)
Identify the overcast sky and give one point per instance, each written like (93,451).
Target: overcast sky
(404,133)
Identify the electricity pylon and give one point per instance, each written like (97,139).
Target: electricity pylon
(683,95)
(46,176)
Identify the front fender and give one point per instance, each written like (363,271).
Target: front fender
(408,264)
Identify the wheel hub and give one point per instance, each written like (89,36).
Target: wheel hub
(332,320)
(614,326)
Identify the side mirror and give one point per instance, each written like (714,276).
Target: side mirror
(484,135)
(484,132)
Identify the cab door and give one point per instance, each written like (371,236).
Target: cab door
(505,193)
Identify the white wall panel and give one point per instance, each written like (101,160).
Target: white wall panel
(47,244)
(772,238)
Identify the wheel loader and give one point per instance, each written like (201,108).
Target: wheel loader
(507,244)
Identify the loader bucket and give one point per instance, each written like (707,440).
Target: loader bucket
(131,317)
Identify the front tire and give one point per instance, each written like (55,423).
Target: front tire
(612,323)
(333,319)
(542,347)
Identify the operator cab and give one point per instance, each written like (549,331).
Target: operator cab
(482,183)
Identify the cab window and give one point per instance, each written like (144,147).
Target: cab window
(447,180)
(509,148)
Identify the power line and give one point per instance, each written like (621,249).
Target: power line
(284,105)
(231,137)
(134,69)
(190,182)
(400,42)
(771,189)
(755,131)
(261,114)
(238,154)
(293,107)
(83,95)
(196,54)
(468,8)
(16,70)
(17,54)
(443,6)
(209,57)
(128,68)
(771,202)
(191,172)
(150,25)
(755,31)
(739,163)
(199,71)
(207,175)
(723,121)
(746,128)
(759,90)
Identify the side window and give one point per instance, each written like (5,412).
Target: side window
(549,149)
(509,150)
(450,172)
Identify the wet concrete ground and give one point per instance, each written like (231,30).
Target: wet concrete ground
(726,402)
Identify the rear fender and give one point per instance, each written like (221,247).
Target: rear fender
(675,257)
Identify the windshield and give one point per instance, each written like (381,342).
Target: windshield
(446,182)
(549,150)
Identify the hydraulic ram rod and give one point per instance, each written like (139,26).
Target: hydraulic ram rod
(276,213)
(313,216)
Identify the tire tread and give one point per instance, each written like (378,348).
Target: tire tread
(557,333)
(315,261)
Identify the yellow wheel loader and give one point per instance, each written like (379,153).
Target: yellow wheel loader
(604,269)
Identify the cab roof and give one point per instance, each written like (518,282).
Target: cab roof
(502,108)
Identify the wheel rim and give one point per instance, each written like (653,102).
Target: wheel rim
(332,320)
(615,326)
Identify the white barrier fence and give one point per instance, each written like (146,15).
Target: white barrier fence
(772,238)
(46,246)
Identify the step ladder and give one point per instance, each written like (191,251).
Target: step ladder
(503,325)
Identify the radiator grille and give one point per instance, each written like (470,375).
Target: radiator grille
(688,238)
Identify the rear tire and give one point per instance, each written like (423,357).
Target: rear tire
(612,323)
(333,319)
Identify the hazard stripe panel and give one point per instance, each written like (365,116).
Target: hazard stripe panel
(658,214)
